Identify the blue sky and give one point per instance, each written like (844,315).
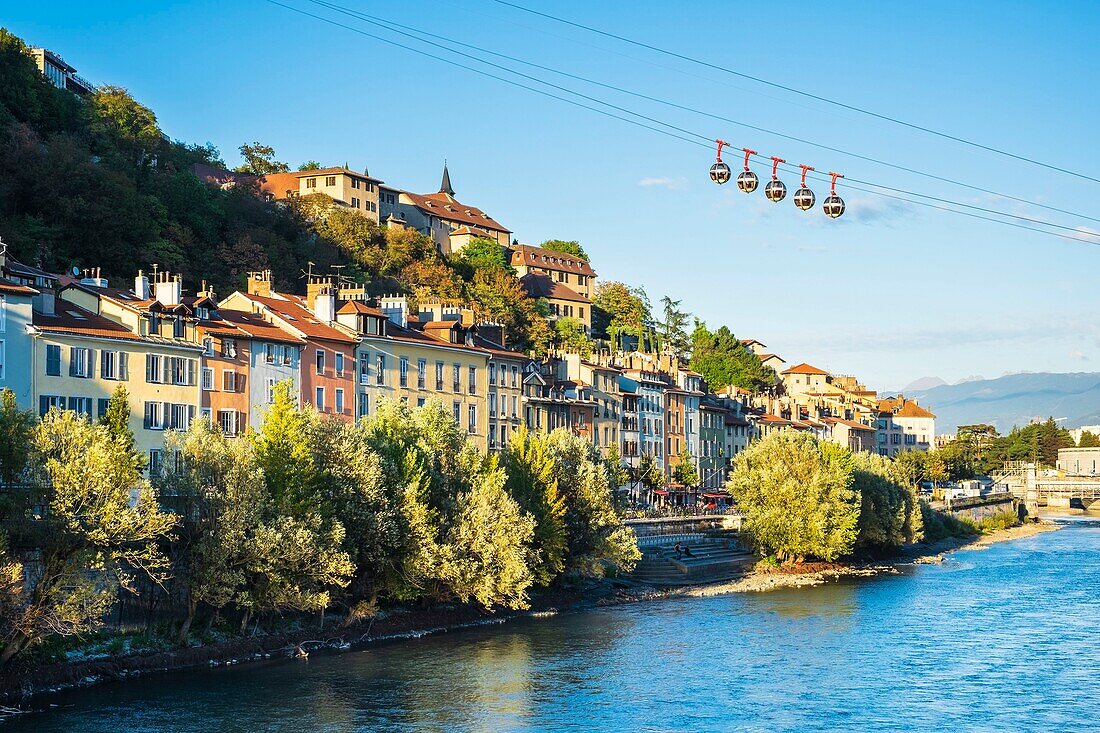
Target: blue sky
(890,292)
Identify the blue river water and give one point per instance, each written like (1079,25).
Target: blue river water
(1003,639)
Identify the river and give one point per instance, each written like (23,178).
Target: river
(1003,639)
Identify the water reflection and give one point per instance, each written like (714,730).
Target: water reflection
(1000,640)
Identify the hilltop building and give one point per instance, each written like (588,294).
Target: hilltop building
(60,73)
(903,425)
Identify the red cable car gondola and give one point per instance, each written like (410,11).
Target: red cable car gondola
(833,205)
(775,190)
(747,181)
(804,198)
(720,172)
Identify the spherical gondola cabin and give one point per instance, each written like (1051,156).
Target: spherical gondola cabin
(776,190)
(720,173)
(747,181)
(833,206)
(804,198)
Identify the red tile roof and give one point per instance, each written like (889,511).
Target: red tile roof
(804,368)
(358,306)
(912,409)
(7,286)
(292,311)
(850,423)
(539,285)
(253,325)
(530,256)
(447,207)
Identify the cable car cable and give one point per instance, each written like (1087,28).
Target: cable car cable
(810,95)
(382,22)
(695,139)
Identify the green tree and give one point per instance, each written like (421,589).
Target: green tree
(723,361)
(1088,439)
(620,310)
(797,496)
(283,451)
(597,538)
(482,254)
(105,528)
(488,546)
(259,160)
(569,247)
(532,481)
(685,471)
(498,296)
(569,335)
(649,473)
(16,431)
(116,418)
(889,513)
(672,329)
(309,165)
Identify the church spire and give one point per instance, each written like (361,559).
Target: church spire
(445,187)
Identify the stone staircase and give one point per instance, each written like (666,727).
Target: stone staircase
(714,561)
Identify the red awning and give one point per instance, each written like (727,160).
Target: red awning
(661,492)
(719,495)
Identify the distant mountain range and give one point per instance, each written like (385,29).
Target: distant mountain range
(1014,399)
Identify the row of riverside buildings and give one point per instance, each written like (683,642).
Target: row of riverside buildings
(68,342)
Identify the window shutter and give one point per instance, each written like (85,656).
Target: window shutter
(166,370)
(103,367)
(72,360)
(89,364)
(123,365)
(43,406)
(148,413)
(166,415)
(149,377)
(190,415)
(190,372)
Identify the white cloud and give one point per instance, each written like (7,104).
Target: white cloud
(672,184)
(1078,355)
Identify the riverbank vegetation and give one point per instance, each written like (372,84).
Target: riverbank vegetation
(305,516)
(806,499)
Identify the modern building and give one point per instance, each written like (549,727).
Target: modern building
(60,73)
(1079,461)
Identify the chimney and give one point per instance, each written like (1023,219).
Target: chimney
(492,332)
(92,277)
(396,308)
(324,303)
(207,292)
(141,286)
(259,283)
(167,289)
(315,284)
(430,309)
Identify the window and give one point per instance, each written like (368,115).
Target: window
(339,401)
(356,183)
(320,356)
(178,328)
(473,380)
(364,367)
(403,370)
(230,422)
(179,416)
(45,402)
(207,346)
(2,351)
(311,183)
(420,401)
(473,419)
(229,348)
(154,415)
(364,404)
(492,374)
(457,378)
(515,406)
(330,180)
(439,376)
(156,461)
(269,353)
(515,376)
(320,399)
(492,404)
(339,364)
(179,370)
(354,203)
(271,390)
(101,406)
(380,370)
(229,381)
(53,360)
(80,362)
(456,408)
(81,406)
(207,379)
(492,436)
(3,313)
(421,373)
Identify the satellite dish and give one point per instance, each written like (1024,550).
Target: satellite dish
(75,271)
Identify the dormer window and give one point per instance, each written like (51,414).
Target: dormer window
(203,313)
